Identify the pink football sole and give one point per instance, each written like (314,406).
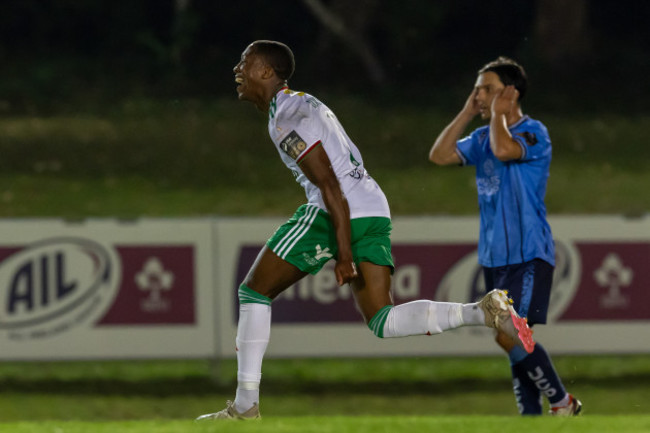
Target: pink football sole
(524,332)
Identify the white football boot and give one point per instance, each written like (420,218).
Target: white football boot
(500,315)
(573,408)
(231,413)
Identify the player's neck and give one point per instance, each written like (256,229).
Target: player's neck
(272,91)
(514,116)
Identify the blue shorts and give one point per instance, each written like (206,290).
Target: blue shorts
(528,284)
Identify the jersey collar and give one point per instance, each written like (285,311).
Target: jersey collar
(273,105)
(519,122)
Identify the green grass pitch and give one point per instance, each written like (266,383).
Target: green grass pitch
(354,424)
(317,395)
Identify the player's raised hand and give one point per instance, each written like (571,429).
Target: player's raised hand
(345,271)
(505,101)
(471,107)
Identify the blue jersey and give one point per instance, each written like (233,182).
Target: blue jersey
(511,195)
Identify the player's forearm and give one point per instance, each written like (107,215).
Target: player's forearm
(443,151)
(318,169)
(339,211)
(501,142)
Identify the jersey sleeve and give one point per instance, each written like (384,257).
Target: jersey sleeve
(299,131)
(467,149)
(534,141)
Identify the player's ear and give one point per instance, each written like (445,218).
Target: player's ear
(267,72)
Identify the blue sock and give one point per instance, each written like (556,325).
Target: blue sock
(527,396)
(540,371)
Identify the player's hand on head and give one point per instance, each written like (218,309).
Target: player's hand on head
(471,105)
(345,271)
(505,100)
(510,93)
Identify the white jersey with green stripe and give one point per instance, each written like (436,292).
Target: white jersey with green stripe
(298,123)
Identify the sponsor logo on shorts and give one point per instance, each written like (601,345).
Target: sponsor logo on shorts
(323,253)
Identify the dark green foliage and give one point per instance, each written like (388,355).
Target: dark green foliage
(62,54)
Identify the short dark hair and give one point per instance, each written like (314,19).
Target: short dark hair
(510,73)
(278,56)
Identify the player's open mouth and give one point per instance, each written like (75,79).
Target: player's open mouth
(239,80)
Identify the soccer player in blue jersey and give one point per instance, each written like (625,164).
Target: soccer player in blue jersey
(512,156)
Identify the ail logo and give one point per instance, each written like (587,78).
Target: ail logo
(50,286)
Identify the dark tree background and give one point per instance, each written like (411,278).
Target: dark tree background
(68,54)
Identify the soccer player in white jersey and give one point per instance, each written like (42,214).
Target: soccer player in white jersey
(512,156)
(346,218)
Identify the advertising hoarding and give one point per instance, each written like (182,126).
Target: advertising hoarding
(599,304)
(166,288)
(106,289)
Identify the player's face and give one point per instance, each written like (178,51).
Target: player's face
(247,75)
(488,85)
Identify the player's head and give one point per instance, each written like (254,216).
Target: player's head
(493,78)
(510,73)
(263,68)
(278,56)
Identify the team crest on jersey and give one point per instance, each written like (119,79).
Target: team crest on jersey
(293,145)
(531,139)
